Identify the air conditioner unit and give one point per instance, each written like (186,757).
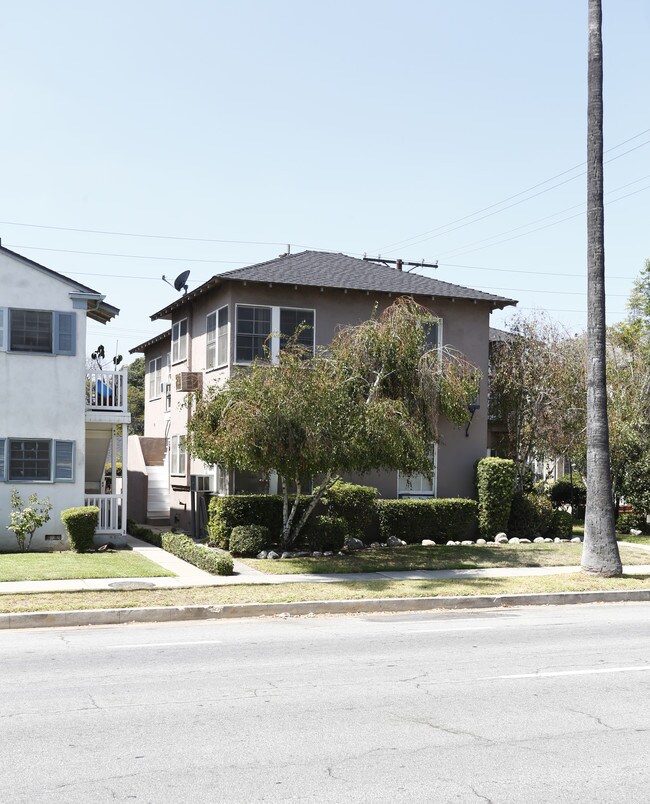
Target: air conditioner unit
(189,381)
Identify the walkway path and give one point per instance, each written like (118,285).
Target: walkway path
(188,575)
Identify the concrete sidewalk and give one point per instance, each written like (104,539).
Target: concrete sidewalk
(188,575)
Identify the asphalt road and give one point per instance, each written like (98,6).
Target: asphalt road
(521,705)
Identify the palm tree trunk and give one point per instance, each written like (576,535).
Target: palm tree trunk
(600,554)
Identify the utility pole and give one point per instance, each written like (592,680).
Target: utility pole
(399,264)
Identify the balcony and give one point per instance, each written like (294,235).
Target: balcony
(106,393)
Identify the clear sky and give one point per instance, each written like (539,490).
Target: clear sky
(224,130)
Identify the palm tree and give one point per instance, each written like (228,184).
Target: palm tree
(600,554)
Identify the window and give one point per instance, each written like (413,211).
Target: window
(419,485)
(253,329)
(155,377)
(178,455)
(37,331)
(179,341)
(217,339)
(434,332)
(290,321)
(36,460)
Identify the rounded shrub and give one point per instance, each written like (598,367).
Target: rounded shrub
(531,515)
(248,540)
(80,524)
(562,525)
(569,490)
(326,533)
(627,521)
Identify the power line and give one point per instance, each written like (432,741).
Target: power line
(466,218)
(127,256)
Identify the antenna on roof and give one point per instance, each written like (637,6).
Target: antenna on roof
(180,283)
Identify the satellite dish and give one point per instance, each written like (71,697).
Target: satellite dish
(180,283)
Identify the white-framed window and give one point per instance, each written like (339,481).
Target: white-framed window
(261,332)
(155,378)
(179,341)
(178,455)
(292,319)
(216,351)
(36,460)
(419,485)
(41,332)
(253,327)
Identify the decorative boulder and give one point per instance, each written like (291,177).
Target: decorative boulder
(576,539)
(272,554)
(317,554)
(393,541)
(481,541)
(354,544)
(538,539)
(428,543)
(547,539)
(467,543)
(524,541)
(501,538)
(514,540)
(263,554)
(286,555)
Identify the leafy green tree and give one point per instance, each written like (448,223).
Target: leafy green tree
(369,401)
(136,396)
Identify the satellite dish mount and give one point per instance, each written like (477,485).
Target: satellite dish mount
(180,283)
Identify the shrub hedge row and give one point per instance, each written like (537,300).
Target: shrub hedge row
(325,532)
(80,525)
(182,546)
(354,504)
(531,515)
(495,483)
(436,519)
(248,540)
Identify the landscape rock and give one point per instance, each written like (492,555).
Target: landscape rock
(514,540)
(272,554)
(635,532)
(576,539)
(450,543)
(500,535)
(467,543)
(375,544)
(354,544)
(538,539)
(328,553)
(501,538)
(302,554)
(481,541)
(286,555)
(393,541)
(317,554)
(428,543)
(547,539)
(524,541)
(263,554)
(557,540)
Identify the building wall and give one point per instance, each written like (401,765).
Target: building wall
(465,327)
(41,396)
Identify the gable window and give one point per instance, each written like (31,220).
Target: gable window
(178,455)
(253,330)
(36,460)
(216,353)
(179,341)
(44,332)
(155,377)
(290,321)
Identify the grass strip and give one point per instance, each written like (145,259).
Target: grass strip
(416,557)
(285,593)
(66,564)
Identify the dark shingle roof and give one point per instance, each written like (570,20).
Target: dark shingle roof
(326,269)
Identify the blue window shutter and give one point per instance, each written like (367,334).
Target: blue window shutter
(2,458)
(4,329)
(64,460)
(65,333)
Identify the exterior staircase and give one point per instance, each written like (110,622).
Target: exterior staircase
(158,495)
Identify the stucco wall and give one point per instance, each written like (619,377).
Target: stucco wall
(41,396)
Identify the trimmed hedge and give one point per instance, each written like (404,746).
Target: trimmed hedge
(355,504)
(249,540)
(325,533)
(531,515)
(144,533)
(569,490)
(436,519)
(495,483)
(203,557)
(80,525)
(227,513)
(562,525)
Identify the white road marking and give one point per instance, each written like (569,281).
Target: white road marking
(592,671)
(164,644)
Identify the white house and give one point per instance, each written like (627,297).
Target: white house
(58,420)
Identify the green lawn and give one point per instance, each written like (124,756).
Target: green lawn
(59,566)
(416,557)
(634,539)
(287,593)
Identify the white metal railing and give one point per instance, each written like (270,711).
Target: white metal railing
(111,512)
(106,390)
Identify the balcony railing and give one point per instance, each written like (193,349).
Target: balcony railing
(111,513)
(106,391)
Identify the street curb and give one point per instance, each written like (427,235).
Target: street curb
(160,614)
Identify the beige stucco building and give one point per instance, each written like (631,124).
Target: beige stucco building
(225,323)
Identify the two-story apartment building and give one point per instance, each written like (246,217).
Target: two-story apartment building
(226,323)
(58,419)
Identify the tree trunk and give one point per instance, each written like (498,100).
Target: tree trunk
(600,554)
